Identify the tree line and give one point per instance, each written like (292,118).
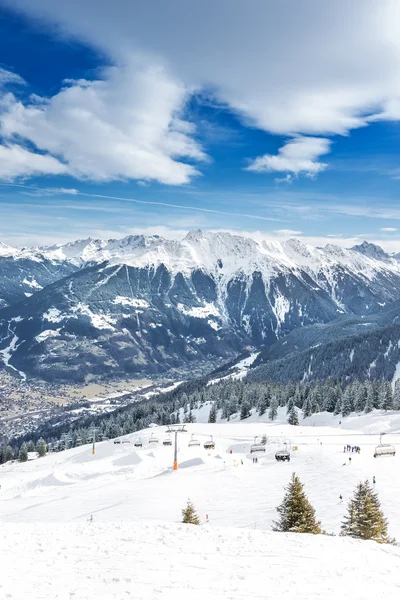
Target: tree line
(226,399)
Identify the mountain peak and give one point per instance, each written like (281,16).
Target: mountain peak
(370,250)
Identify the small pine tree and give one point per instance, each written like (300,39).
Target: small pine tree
(365,519)
(23,453)
(212,417)
(31,446)
(189,514)
(293,419)
(41,447)
(296,513)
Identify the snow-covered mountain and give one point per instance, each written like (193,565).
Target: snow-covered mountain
(149,305)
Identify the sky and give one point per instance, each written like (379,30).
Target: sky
(269,118)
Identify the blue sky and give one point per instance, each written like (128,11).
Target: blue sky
(275,121)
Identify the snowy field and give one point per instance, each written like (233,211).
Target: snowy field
(135,547)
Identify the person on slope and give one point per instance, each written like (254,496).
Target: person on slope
(373,479)
(341,498)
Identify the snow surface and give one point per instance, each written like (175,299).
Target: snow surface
(135,547)
(145,561)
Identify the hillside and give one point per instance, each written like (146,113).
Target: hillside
(134,543)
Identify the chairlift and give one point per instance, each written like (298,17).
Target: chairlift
(138,444)
(117,441)
(282,455)
(167,442)
(384,449)
(193,442)
(258,446)
(210,444)
(153,440)
(78,441)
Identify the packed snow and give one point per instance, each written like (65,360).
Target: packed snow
(106,524)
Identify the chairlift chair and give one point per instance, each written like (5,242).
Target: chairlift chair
(193,442)
(138,444)
(257,446)
(153,440)
(210,444)
(384,449)
(167,442)
(282,455)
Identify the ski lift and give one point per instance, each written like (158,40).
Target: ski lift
(153,440)
(258,446)
(209,445)
(167,442)
(193,442)
(384,449)
(138,444)
(282,455)
(117,441)
(78,441)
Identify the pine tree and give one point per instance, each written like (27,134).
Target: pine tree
(365,519)
(307,409)
(348,405)
(293,419)
(386,396)
(23,453)
(31,446)
(245,410)
(212,417)
(296,513)
(396,395)
(273,409)
(41,447)
(290,405)
(369,404)
(189,514)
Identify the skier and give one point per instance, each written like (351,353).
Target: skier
(344,449)
(373,479)
(350,459)
(241,460)
(230,451)
(341,498)
(207,518)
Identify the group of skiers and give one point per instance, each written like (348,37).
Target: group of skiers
(255,459)
(349,448)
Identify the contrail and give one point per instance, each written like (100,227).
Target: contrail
(145,202)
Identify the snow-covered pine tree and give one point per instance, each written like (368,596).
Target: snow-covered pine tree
(23,453)
(386,396)
(293,419)
(307,408)
(365,519)
(189,514)
(212,417)
(41,447)
(347,404)
(369,403)
(296,513)
(273,409)
(396,395)
(360,396)
(264,403)
(289,405)
(245,410)
(31,446)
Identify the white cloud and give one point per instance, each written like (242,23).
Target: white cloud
(18,162)
(297,156)
(124,126)
(290,68)
(7,77)
(288,232)
(390,229)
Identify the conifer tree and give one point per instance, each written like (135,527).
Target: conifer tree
(31,446)
(307,409)
(369,403)
(212,417)
(365,519)
(273,409)
(245,410)
(23,453)
(347,405)
(189,514)
(41,447)
(396,395)
(296,513)
(293,419)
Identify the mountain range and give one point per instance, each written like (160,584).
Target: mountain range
(144,305)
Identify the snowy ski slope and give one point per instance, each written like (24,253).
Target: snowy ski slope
(134,547)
